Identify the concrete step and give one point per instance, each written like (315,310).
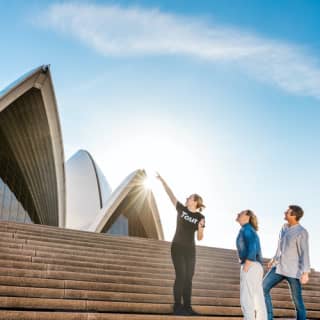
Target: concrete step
(124,241)
(151,253)
(220,290)
(61,272)
(32,278)
(80,275)
(77,306)
(46,230)
(152,276)
(8,302)
(116,266)
(314,278)
(72,273)
(38,315)
(202,266)
(163,261)
(146,297)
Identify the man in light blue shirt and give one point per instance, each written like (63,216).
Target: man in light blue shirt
(291,262)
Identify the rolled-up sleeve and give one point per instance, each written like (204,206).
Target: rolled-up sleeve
(303,250)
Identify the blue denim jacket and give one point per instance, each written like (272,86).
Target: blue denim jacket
(248,244)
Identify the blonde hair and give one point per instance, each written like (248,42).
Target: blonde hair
(199,201)
(253,219)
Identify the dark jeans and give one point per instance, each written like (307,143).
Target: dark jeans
(183,258)
(270,280)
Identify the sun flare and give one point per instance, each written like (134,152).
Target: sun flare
(149,183)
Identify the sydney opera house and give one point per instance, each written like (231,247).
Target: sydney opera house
(74,249)
(37,186)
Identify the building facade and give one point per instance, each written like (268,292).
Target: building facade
(32,177)
(37,186)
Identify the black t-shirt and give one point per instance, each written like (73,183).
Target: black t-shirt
(187,224)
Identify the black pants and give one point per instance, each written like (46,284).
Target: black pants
(183,258)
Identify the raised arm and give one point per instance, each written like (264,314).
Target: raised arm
(168,190)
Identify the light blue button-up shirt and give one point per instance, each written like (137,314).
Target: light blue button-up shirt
(292,256)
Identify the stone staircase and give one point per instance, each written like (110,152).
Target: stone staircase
(51,273)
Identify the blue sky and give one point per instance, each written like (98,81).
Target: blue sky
(221,97)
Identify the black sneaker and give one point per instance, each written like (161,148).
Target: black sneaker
(179,310)
(190,312)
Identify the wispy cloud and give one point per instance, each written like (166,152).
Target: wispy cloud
(119,31)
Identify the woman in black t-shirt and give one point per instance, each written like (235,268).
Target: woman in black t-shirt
(189,220)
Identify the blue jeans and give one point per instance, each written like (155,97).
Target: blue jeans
(270,280)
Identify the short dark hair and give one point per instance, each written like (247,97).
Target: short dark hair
(296,211)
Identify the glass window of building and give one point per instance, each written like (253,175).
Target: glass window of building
(120,226)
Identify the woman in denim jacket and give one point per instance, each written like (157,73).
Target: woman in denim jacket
(251,272)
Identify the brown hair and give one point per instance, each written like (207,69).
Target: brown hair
(199,201)
(253,219)
(296,211)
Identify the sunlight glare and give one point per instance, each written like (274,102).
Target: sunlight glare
(150,182)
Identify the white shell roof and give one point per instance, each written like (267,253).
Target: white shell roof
(87,190)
